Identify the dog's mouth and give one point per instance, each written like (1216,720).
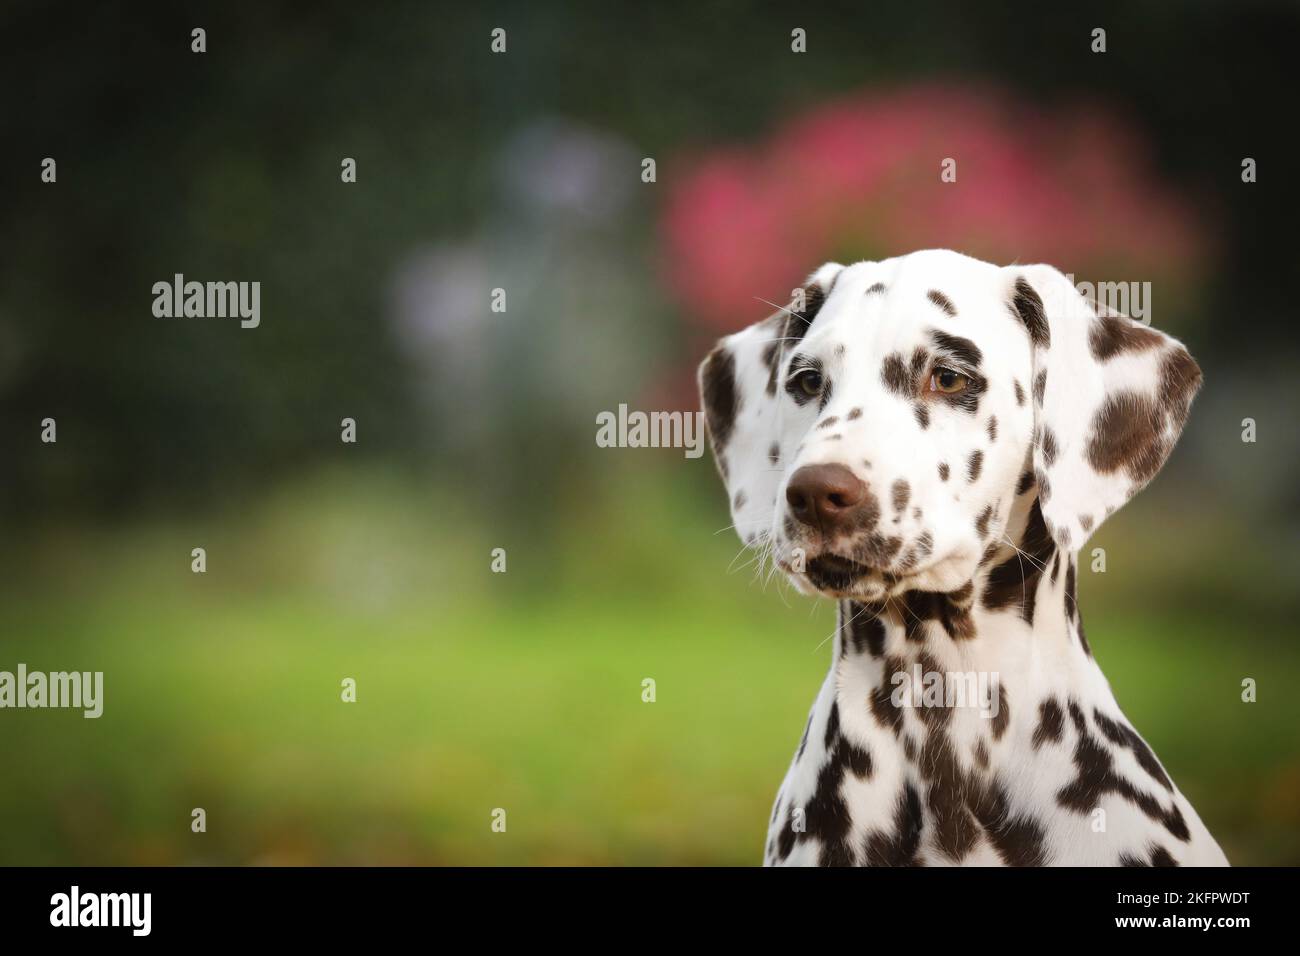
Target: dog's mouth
(830,572)
(835,576)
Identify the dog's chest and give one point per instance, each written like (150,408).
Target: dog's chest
(908,760)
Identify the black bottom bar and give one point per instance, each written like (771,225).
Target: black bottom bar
(303,905)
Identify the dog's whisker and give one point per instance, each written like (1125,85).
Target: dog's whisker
(913,613)
(780,308)
(732,569)
(1021,558)
(1025,555)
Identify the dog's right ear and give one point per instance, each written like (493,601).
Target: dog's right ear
(740,390)
(1111,397)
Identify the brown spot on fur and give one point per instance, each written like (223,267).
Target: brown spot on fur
(920,362)
(1047,444)
(1180,378)
(1051,721)
(925,544)
(895,375)
(960,804)
(1135,432)
(920,607)
(900,492)
(785,843)
(1004,713)
(1125,736)
(772,353)
(798,322)
(1161,857)
(955,831)
(1003,717)
(960,348)
(720,398)
(1028,307)
(791,327)
(931,715)
(1157,856)
(865,628)
(1018,839)
(881,704)
(1071,601)
(1126,434)
(897,847)
(832,726)
(993,428)
(943,471)
(942,301)
(974,465)
(1095,777)
(826,816)
(1112,335)
(1015,580)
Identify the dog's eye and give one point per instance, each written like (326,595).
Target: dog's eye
(808,382)
(946,381)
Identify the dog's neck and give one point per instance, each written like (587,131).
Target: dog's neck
(1018,613)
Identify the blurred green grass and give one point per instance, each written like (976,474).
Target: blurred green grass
(520,691)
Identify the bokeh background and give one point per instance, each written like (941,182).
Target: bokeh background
(476,429)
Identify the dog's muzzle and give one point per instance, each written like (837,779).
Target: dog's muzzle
(834,507)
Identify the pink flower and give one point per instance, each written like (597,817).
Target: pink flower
(860,178)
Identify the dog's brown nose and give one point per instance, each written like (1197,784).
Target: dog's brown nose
(827,497)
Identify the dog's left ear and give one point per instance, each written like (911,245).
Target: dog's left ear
(1110,399)
(740,391)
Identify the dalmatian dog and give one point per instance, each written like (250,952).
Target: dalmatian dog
(929,440)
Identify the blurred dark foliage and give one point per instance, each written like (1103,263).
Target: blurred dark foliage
(225,166)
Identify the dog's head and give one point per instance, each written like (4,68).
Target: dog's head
(879,431)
